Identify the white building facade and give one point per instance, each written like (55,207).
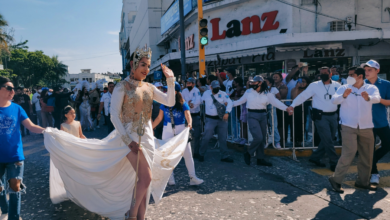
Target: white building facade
(86,74)
(264,36)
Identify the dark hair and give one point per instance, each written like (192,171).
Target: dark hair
(132,56)
(308,80)
(82,94)
(4,80)
(360,71)
(202,81)
(105,88)
(212,78)
(179,101)
(325,68)
(270,80)
(64,112)
(44,95)
(110,84)
(263,87)
(352,68)
(232,71)
(19,88)
(239,81)
(279,74)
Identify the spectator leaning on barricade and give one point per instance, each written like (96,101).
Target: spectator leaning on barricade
(239,91)
(11,150)
(106,100)
(257,98)
(271,111)
(283,90)
(215,100)
(379,115)
(192,96)
(324,115)
(356,100)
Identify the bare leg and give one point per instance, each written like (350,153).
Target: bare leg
(142,209)
(144,179)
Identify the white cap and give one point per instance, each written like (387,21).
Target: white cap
(158,84)
(371,63)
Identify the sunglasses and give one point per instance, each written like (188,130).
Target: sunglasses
(9,88)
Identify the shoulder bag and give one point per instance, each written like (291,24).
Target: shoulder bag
(221,108)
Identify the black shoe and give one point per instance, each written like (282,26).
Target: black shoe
(336,187)
(247,158)
(227,160)
(317,163)
(196,156)
(369,187)
(332,168)
(200,158)
(262,162)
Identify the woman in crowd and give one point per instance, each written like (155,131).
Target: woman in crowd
(47,118)
(178,114)
(273,130)
(85,109)
(299,124)
(283,90)
(257,98)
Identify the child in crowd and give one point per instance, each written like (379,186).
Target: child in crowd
(70,125)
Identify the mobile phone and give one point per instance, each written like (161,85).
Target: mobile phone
(304,64)
(300,80)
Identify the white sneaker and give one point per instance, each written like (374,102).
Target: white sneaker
(171,180)
(278,145)
(375,179)
(195,181)
(4,217)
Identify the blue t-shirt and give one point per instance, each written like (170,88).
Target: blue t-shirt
(11,148)
(178,116)
(379,112)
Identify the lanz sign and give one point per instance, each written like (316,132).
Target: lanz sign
(234,26)
(324,53)
(189,42)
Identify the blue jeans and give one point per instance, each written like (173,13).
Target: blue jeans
(275,134)
(11,171)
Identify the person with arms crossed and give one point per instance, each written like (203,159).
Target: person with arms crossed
(213,120)
(11,150)
(324,115)
(356,100)
(379,115)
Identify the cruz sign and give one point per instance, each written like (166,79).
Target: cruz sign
(234,26)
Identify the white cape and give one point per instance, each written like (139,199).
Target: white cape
(96,175)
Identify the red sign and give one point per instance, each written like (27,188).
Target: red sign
(189,42)
(234,26)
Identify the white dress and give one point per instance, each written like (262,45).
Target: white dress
(96,174)
(85,113)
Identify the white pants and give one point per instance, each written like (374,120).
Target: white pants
(168,133)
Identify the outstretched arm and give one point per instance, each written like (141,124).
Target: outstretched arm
(169,98)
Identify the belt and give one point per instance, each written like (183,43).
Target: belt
(213,117)
(195,114)
(329,113)
(257,110)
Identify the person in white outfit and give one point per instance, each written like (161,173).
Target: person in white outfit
(174,122)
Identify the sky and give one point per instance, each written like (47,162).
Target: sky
(83,33)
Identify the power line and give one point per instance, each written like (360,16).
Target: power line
(90,57)
(325,15)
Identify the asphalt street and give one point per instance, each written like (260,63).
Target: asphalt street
(288,190)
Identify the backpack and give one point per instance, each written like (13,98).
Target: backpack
(51,102)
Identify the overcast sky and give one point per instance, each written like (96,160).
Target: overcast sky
(83,33)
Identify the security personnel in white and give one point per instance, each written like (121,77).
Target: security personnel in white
(324,115)
(213,121)
(257,98)
(192,96)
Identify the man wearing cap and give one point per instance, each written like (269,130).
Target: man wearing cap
(213,121)
(192,96)
(355,100)
(324,115)
(379,115)
(158,85)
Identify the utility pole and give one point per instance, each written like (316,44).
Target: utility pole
(202,56)
(182,41)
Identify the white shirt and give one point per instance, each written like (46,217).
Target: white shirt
(229,86)
(195,98)
(274,90)
(259,101)
(354,110)
(35,100)
(106,98)
(221,97)
(290,85)
(318,90)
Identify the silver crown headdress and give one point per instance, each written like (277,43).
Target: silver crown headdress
(139,54)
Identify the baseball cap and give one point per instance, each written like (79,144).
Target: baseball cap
(215,84)
(223,75)
(191,80)
(158,84)
(177,87)
(371,63)
(257,78)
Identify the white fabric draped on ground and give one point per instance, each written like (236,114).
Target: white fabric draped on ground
(96,175)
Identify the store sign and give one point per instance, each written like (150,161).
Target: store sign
(254,59)
(189,42)
(235,30)
(157,75)
(324,53)
(171,17)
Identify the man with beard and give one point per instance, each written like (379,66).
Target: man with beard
(324,115)
(192,96)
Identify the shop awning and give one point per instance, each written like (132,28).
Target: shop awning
(310,47)
(196,59)
(243,53)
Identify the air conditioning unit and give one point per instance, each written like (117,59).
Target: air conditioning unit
(337,26)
